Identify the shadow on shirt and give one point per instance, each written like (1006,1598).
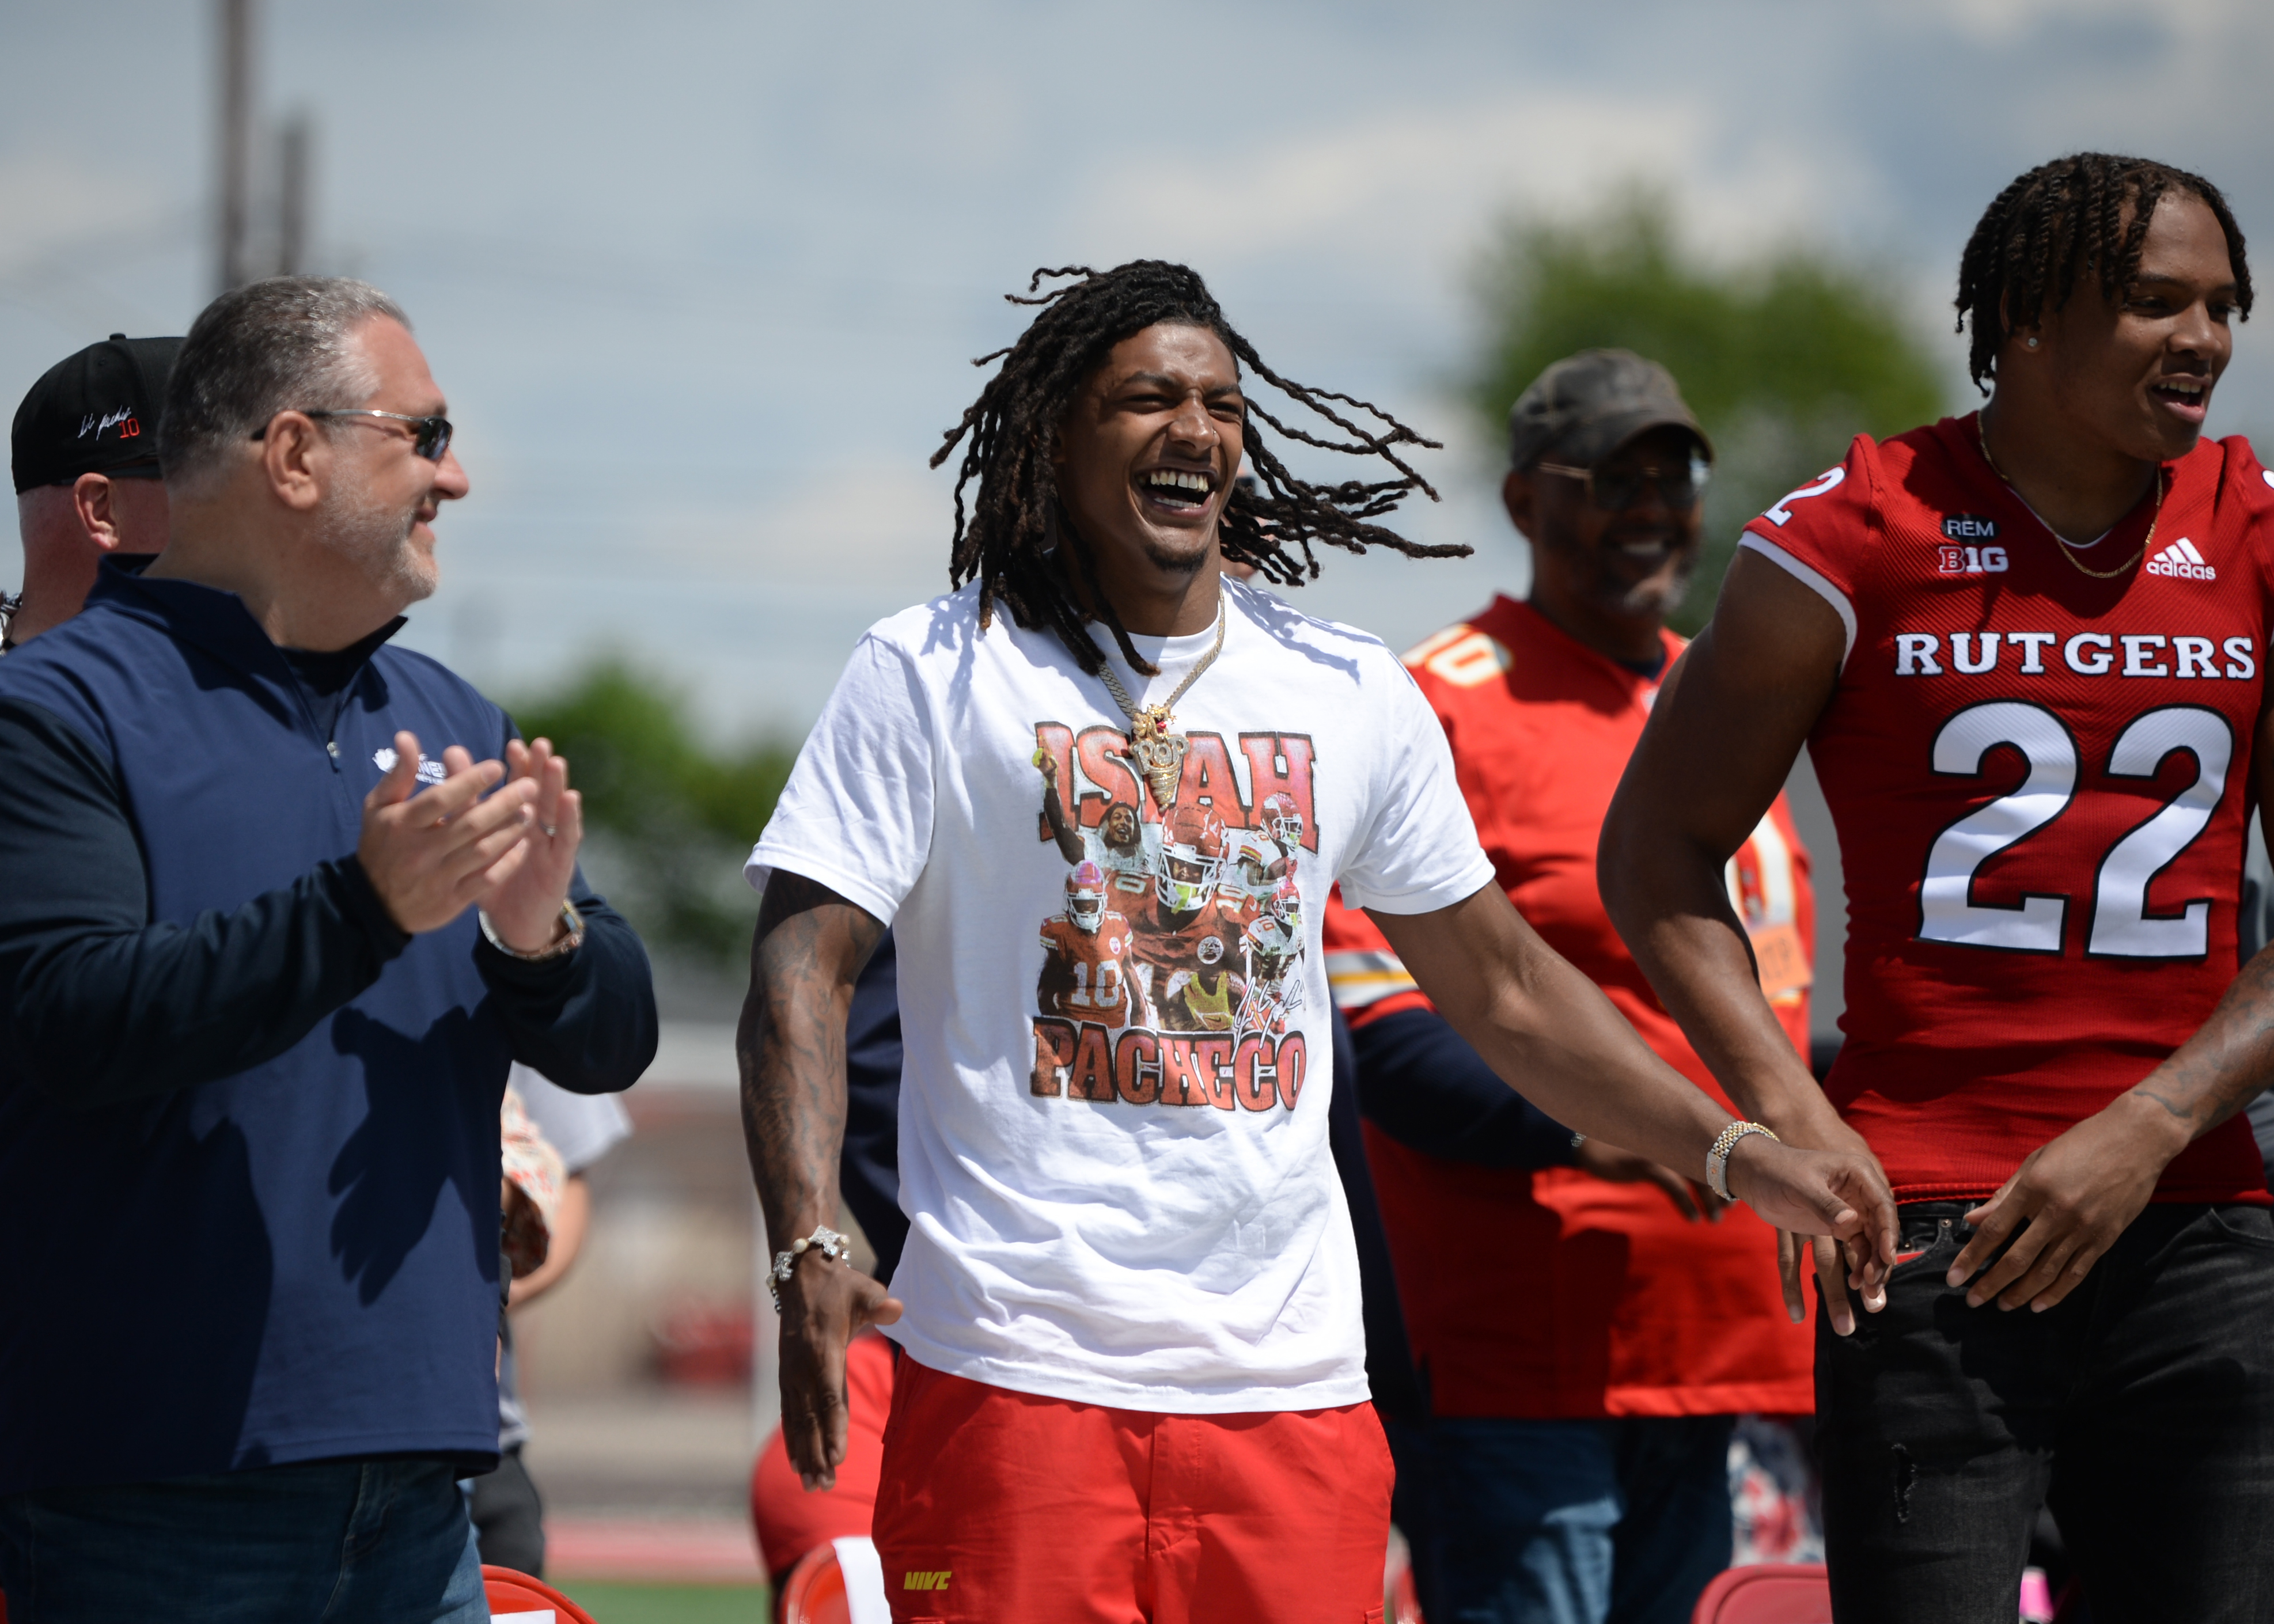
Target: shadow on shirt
(393,1165)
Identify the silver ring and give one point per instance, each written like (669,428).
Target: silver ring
(551,830)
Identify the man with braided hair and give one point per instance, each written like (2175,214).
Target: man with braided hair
(1133,1379)
(2026,648)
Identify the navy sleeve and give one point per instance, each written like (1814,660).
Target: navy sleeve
(868,1165)
(1421,1083)
(1389,1371)
(100,1005)
(586,1019)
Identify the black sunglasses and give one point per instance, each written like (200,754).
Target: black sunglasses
(431,442)
(1616,490)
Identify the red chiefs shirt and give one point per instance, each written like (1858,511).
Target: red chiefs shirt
(2040,781)
(1554,1293)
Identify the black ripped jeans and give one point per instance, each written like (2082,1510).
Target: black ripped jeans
(2141,1410)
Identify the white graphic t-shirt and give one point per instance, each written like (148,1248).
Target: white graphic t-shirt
(1113,1106)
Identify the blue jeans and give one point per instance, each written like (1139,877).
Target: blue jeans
(329,1542)
(1586,1521)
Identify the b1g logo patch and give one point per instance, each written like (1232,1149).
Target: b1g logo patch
(1970,561)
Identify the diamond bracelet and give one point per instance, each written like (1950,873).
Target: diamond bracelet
(824,1240)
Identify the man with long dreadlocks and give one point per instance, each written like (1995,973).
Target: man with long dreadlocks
(1132,1382)
(2026,648)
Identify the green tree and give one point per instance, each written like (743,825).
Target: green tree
(669,820)
(1784,360)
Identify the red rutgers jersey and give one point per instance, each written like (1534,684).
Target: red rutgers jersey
(1087,974)
(1594,1298)
(2041,781)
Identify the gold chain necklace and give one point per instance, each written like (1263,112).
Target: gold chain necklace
(1982,433)
(1160,753)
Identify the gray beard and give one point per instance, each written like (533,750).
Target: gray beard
(376,539)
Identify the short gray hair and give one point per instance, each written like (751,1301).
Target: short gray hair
(276,345)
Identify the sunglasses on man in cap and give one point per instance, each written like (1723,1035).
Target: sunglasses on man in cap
(1580,410)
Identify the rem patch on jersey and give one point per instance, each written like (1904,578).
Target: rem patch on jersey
(1969,527)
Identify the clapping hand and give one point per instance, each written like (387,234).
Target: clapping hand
(432,855)
(530,883)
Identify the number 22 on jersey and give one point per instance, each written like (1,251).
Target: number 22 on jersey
(2121,926)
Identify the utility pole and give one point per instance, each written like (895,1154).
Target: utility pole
(293,138)
(233,221)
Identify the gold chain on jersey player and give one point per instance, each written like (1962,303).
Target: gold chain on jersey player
(1982,433)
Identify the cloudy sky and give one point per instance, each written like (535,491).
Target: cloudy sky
(703,281)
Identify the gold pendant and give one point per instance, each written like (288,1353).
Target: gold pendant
(1160,754)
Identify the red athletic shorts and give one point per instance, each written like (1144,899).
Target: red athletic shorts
(1003,1507)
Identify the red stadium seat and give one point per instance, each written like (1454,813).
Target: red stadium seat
(814,1593)
(1771,1593)
(518,1595)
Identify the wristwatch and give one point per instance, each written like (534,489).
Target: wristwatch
(567,944)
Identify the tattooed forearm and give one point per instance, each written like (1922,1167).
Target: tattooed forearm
(808,949)
(2229,1060)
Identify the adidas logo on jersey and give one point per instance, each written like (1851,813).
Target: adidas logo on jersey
(2181,560)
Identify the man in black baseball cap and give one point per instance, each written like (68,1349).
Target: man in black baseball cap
(85,449)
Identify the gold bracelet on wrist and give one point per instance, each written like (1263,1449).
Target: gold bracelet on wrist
(1717,1159)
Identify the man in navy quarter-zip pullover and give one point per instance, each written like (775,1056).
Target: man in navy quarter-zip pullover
(279,904)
